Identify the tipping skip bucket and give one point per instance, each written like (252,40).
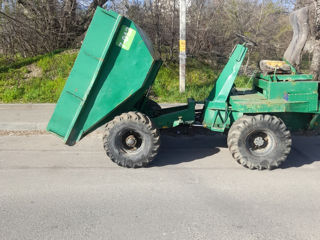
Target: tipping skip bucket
(116,65)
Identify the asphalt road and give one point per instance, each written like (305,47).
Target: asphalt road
(194,190)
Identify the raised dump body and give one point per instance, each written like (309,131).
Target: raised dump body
(116,65)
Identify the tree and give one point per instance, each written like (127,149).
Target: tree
(314,36)
(299,20)
(37,26)
(33,27)
(315,65)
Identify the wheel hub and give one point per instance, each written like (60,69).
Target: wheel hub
(131,141)
(259,141)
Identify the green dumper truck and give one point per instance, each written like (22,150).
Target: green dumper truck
(112,77)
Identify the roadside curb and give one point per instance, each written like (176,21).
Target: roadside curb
(33,117)
(25,117)
(22,126)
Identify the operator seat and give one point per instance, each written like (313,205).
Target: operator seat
(271,66)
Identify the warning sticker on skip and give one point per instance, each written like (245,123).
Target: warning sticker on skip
(125,37)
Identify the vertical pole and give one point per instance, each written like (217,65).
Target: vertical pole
(182,46)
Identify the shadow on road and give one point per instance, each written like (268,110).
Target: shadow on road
(180,149)
(176,149)
(304,151)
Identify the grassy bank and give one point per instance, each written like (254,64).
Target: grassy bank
(41,79)
(35,80)
(199,82)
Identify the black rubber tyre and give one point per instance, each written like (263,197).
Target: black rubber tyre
(131,140)
(259,142)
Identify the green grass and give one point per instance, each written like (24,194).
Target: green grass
(200,79)
(20,84)
(17,86)
(18,62)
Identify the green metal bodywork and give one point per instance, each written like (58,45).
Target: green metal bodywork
(217,113)
(174,116)
(111,74)
(117,66)
(292,97)
(114,70)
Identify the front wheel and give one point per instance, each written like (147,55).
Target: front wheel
(259,142)
(131,140)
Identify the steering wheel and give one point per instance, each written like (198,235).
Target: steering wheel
(247,40)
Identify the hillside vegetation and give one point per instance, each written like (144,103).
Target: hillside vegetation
(35,80)
(31,70)
(41,79)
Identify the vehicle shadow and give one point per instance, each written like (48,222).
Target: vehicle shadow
(304,151)
(176,149)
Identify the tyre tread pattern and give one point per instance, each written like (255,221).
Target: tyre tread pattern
(139,118)
(245,121)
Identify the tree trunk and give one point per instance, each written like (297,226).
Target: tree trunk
(299,22)
(90,12)
(315,65)
(87,19)
(52,15)
(172,30)
(68,15)
(317,17)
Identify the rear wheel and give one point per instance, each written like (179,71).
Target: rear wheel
(131,140)
(259,142)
